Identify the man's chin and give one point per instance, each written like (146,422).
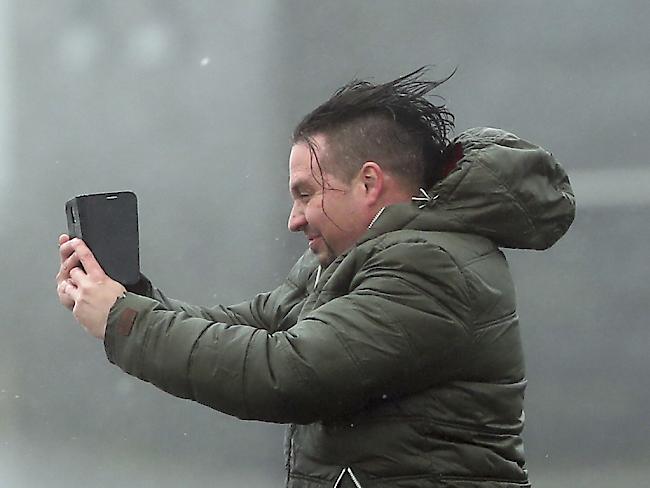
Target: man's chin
(324,257)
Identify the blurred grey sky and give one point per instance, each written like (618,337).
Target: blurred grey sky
(191,105)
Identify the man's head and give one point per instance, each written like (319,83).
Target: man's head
(366,147)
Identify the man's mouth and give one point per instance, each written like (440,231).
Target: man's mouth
(313,241)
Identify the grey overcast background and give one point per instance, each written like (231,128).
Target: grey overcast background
(191,104)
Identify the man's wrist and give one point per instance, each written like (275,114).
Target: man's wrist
(122,296)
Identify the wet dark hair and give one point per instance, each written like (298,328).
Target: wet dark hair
(392,124)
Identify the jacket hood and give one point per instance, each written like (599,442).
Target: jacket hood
(503,188)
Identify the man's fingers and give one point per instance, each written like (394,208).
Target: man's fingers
(65,249)
(68,260)
(62,290)
(88,261)
(69,291)
(71,262)
(77,276)
(65,289)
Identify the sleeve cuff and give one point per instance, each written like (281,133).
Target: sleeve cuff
(125,333)
(141,287)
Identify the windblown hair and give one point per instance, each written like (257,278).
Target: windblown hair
(392,124)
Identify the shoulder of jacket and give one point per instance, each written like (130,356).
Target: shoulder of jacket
(404,251)
(460,246)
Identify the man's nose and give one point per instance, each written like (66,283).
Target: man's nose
(297,219)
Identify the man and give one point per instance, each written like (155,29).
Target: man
(392,349)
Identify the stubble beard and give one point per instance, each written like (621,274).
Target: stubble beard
(326,255)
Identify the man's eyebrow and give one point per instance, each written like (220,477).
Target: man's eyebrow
(298,185)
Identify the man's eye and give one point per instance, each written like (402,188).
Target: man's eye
(304,196)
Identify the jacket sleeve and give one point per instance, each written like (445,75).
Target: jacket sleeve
(271,311)
(398,330)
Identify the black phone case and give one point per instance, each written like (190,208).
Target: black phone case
(108,224)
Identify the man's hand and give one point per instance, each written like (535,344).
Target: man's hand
(68,261)
(90,294)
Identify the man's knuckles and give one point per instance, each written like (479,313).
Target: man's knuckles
(83,253)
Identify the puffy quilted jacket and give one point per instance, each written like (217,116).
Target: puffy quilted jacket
(400,364)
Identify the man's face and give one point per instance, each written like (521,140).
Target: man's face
(328,210)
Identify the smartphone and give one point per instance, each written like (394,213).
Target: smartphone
(108,224)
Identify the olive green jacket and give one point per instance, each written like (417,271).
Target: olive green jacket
(400,364)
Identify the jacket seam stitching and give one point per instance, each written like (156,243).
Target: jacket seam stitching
(293,283)
(480,258)
(383,247)
(515,200)
(456,425)
(523,483)
(190,359)
(243,372)
(307,477)
(345,346)
(495,322)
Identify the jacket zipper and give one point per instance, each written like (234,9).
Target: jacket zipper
(352,476)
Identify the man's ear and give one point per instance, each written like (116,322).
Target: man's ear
(372,178)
